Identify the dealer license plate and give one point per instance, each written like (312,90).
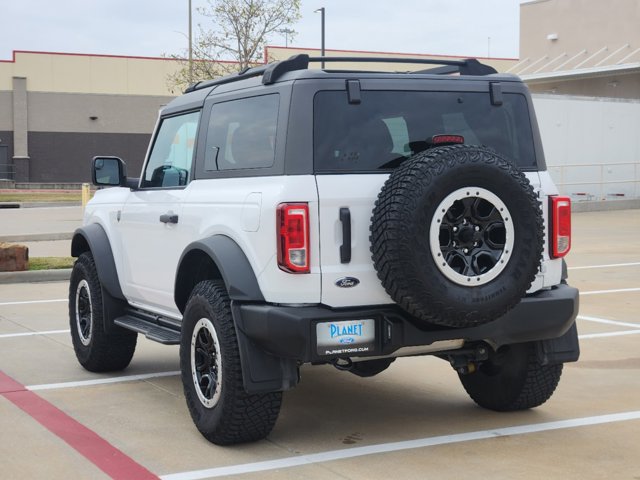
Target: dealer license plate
(348,337)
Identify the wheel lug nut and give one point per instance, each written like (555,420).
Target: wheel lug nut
(465,250)
(477,229)
(455,229)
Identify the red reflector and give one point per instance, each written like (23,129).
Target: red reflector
(560,226)
(446,139)
(292,223)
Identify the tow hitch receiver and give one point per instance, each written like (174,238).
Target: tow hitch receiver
(465,361)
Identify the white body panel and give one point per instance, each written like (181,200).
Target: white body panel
(244,209)
(358,193)
(152,248)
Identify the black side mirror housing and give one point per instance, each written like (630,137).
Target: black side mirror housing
(108,172)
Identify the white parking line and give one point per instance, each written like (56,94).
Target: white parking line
(611,265)
(334,455)
(29,302)
(100,381)
(27,334)
(618,290)
(608,334)
(608,322)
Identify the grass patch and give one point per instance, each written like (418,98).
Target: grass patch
(50,263)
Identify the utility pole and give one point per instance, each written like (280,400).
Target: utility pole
(286,32)
(321,10)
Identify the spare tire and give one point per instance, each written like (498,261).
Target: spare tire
(457,235)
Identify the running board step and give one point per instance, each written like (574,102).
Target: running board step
(150,328)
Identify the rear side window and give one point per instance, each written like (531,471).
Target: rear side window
(389,126)
(242,134)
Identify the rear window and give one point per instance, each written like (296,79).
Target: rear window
(390,126)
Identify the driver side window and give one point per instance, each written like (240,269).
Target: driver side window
(171,156)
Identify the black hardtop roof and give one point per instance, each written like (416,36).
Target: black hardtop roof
(296,67)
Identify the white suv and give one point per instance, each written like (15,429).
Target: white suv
(288,216)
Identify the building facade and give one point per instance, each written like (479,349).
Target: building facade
(59,110)
(581,61)
(580,47)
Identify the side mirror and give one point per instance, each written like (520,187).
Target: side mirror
(108,172)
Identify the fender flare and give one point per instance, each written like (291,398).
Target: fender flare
(236,271)
(261,371)
(94,238)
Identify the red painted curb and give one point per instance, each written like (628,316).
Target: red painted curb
(89,444)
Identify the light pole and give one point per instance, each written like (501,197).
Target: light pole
(321,10)
(190,47)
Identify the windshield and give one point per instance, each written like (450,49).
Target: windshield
(390,126)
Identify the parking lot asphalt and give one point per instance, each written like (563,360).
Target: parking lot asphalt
(36,224)
(413,421)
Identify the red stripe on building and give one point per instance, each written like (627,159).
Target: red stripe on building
(85,441)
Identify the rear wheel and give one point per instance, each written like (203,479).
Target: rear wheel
(221,409)
(512,379)
(97,349)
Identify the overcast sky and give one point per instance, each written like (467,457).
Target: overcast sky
(156,27)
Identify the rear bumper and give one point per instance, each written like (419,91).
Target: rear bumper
(289,332)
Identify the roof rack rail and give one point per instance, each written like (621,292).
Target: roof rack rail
(272,72)
(469,66)
(248,72)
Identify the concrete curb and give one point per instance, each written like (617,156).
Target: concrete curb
(36,276)
(49,204)
(39,204)
(36,237)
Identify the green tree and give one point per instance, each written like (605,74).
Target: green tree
(234,39)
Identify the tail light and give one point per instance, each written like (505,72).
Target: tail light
(445,140)
(560,226)
(293,237)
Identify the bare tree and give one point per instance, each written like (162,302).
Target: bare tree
(235,38)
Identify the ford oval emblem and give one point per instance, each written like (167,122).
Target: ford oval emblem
(347,282)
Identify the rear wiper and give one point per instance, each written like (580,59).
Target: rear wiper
(393,163)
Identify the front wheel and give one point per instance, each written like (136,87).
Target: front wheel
(98,349)
(221,409)
(512,379)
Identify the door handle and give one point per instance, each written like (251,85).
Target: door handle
(169,217)
(345,248)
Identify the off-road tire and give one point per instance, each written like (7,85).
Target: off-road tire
(402,250)
(512,379)
(97,349)
(234,416)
